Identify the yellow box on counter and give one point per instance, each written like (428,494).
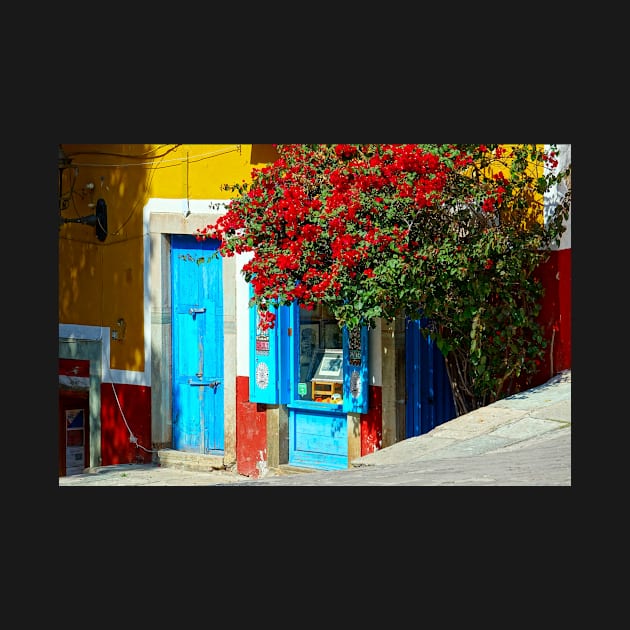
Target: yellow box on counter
(327,389)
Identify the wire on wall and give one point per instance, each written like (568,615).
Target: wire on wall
(157,163)
(166,163)
(132,438)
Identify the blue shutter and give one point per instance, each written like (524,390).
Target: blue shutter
(263,360)
(285,330)
(355,370)
(269,358)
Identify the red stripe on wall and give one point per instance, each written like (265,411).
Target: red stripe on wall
(562,352)
(555,315)
(135,402)
(372,422)
(251,431)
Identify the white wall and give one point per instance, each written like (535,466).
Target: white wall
(553,197)
(242,317)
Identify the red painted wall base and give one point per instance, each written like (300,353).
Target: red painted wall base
(372,422)
(135,402)
(555,315)
(251,432)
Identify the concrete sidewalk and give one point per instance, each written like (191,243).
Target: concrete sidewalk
(521,440)
(535,414)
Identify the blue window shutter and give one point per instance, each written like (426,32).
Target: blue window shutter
(263,360)
(355,370)
(285,330)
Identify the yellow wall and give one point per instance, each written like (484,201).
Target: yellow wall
(535,170)
(101,283)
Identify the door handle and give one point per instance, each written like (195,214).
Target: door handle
(213,384)
(193,311)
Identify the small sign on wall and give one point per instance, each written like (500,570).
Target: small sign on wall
(75,441)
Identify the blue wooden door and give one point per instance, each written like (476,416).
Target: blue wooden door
(198,382)
(429,395)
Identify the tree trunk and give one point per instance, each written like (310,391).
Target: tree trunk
(458,376)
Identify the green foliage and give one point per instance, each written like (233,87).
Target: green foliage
(451,233)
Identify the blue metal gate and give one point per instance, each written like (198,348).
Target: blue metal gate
(429,395)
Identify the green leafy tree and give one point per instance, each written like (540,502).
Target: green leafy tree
(450,233)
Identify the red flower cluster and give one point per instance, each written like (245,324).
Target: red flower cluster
(266,320)
(347,223)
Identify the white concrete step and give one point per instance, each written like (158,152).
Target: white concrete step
(189,461)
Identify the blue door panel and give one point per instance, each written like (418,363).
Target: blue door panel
(321,432)
(429,395)
(198,383)
(186,427)
(318,439)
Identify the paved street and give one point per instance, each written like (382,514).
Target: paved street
(542,462)
(523,440)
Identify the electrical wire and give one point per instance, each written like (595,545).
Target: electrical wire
(124,155)
(132,438)
(174,162)
(164,163)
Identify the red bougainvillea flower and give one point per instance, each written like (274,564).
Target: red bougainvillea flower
(452,231)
